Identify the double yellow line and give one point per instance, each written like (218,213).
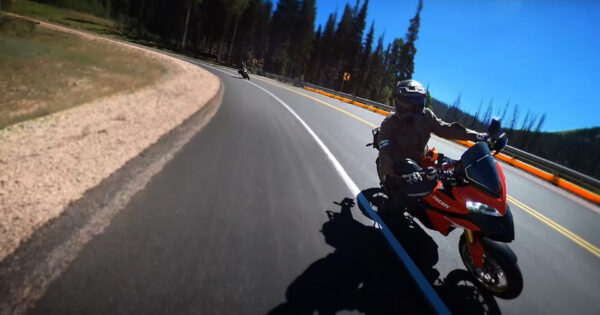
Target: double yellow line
(557,227)
(322,102)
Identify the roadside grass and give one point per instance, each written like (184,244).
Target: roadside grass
(66,17)
(87,22)
(44,71)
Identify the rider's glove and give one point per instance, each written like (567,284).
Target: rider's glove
(412,178)
(430,174)
(482,136)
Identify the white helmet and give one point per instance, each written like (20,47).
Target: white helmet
(409,97)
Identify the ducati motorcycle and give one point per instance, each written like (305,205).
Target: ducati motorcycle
(469,194)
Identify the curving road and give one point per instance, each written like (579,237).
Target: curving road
(237,223)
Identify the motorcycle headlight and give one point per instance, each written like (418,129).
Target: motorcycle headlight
(483,209)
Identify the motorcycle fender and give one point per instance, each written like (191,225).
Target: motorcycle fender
(501,251)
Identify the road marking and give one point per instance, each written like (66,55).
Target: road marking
(433,298)
(436,303)
(322,102)
(562,230)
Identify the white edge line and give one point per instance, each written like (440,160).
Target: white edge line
(426,288)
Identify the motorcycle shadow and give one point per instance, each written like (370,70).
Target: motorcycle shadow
(458,289)
(362,274)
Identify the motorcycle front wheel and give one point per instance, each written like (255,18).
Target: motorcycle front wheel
(498,276)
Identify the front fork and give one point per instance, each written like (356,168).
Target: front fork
(475,247)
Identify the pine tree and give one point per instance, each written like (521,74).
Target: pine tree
(475,120)
(528,133)
(513,121)
(187,23)
(394,62)
(253,33)
(537,132)
(429,100)
(261,39)
(521,141)
(540,123)
(312,69)
(364,73)
(453,111)
(303,38)
(235,8)
(525,120)
(343,44)
(326,74)
(282,26)
(245,41)
(377,71)
(355,43)
(407,55)
(487,117)
(387,85)
(505,111)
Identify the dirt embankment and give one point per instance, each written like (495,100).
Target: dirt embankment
(48,162)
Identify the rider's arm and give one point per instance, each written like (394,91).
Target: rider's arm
(453,131)
(386,143)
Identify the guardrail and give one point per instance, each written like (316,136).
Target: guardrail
(555,169)
(353,97)
(551,171)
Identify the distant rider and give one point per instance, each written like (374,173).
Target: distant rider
(404,134)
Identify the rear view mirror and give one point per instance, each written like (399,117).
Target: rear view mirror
(500,143)
(494,128)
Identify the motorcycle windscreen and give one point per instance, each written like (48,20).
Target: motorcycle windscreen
(480,168)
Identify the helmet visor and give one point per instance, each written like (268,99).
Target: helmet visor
(416,101)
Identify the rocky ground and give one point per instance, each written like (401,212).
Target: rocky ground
(47,163)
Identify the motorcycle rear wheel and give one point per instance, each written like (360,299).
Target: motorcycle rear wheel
(501,278)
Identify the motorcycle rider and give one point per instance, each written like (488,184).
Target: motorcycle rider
(243,71)
(403,138)
(242,66)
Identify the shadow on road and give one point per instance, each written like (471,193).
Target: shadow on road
(362,274)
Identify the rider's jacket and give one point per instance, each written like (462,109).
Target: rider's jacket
(404,136)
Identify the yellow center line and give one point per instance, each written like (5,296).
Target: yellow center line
(557,227)
(560,229)
(323,102)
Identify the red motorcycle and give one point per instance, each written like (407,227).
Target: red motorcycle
(469,194)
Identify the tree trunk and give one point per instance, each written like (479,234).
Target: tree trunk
(222,38)
(108,9)
(235,27)
(187,22)
(0,11)
(140,17)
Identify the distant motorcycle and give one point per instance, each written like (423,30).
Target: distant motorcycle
(244,73)
(469,194)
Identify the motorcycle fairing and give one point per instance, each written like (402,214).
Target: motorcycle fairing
(445,212)
(443,222)
(481,169)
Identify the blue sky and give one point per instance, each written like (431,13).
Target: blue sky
(542,55)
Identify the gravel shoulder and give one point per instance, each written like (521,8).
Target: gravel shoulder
(49,162)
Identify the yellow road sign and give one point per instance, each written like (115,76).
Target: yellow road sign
(346,76)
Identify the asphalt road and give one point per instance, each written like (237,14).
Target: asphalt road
(236,223)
